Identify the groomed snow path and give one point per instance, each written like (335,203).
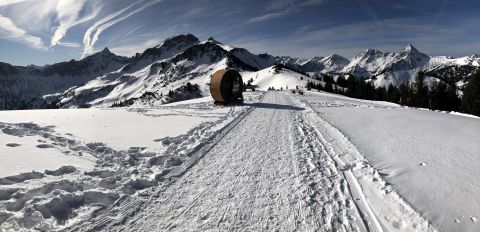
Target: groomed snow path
(271,171)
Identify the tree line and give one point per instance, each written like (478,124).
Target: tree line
(439,95)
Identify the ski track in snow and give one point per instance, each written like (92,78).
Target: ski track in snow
(279,166)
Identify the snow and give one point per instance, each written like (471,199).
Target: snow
(114,126)
(284,78)
(464,115)
(15,151)
(277,167)
(427,157)
(57,167)
(281,161)
(223,46)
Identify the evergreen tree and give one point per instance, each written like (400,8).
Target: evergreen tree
(438,95)
(329,87)
(369,91)
(342,82)
(421,90)
(351,86)
(471,95)
(406,94)
(380,94)
(392,94)
(453,101)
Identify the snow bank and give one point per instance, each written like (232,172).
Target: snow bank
(430,158)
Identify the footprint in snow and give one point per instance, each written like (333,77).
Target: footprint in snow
(12,145)
(44,146)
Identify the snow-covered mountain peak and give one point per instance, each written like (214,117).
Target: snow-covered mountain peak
(103,56)
(371,55)
(368,62)
(370,52)
(411,51)
(334,58)
(315,58)
(220,44)
(169,47)
(179,39)
(410,47)
(212,40)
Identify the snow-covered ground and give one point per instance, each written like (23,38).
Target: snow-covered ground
(273,168)
(313,162)
(58,166)
(430,158)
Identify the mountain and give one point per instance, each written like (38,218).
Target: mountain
(156,81)
(368,63)
(330,64)
(33,87)
(385,68)
(180,67)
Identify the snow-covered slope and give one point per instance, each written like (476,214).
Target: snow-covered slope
(368,62)
(277,79)
(331,64)
(33,87)
(167,49)
(429,158)
(158,82)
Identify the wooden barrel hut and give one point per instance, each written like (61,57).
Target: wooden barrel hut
(226,86)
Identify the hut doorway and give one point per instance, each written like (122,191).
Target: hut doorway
(226,86)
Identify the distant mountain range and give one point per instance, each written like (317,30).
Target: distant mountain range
(153,76)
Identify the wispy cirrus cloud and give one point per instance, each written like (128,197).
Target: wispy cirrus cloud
(68,15)
(92,34)
(11,2)
(283,4)
(348,40)
(10,31)
(266,17)
(279,8)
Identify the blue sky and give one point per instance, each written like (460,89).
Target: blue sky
(47,31)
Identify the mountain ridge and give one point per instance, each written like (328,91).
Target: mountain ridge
(108,78)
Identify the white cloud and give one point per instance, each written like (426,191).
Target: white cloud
(34,16)
(283,4)
(266,17)
(349,40)
(11,2)
(286,7)
(92,34)
(68,12)
(8,30)
(69,44)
